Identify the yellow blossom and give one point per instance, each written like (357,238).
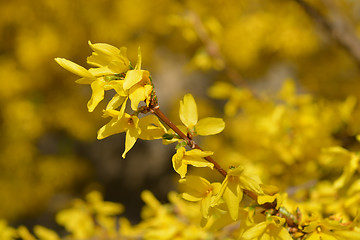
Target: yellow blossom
(94,77)
(138,83)
(110,57)
(330,229)
(194,157)
(272,228)
(232,189)
(109,61)
(148,127)
(121,123)
(151,128)
(199,189)
(189,117)
(141,91)
(74,68)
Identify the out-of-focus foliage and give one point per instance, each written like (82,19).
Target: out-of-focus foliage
(262,41)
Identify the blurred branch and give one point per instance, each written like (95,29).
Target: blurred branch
(212,48)
(339,27)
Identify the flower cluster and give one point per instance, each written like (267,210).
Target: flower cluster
(240,202)
(113,71)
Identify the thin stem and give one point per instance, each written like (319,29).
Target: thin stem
(156,110)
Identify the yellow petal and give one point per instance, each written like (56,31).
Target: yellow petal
(104,48)
(110,113)
(98,60)
(236,171)
(353,235)
(250,183)
(179,166)
(261,199)
(138,63)
(209,126)
(283,234)
(255,231)
(196,186)
(97,95)
(217,198)
(197,162)
(188,111)
(135,124)
(151,128)
(113,127)
(74,68)
(198,153)
(85,80)
(100,71)
(136,95)
(132,135)
(123,108)
(269,189)
(190,197)
(133,77)
(105,55)
(232,197)
(115,102)
(117,85)
(205,205)
(147,93)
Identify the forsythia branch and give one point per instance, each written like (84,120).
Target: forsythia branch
(190,142)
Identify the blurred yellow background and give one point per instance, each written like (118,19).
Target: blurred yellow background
(49,152)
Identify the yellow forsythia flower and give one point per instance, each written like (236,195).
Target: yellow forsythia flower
(122,123)
(93,77)
(330,229)
(194,157)
(199,189)
(138,83)
(108,56)
(272,228)
(148,127)
(232,189)
(110,62)
(189,117)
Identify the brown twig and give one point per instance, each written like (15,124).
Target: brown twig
(191,143)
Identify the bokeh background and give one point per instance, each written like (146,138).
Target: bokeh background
(49,153)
